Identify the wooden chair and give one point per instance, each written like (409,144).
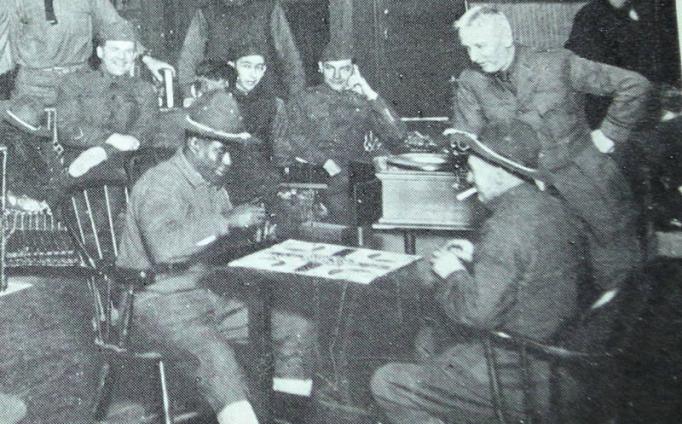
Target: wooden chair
(112,290)
(591,349)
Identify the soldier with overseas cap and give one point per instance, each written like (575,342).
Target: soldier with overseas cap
(53,38)
(546,89)
(175,209)
(522,276)
(220,25)
(326,125)
(103,115)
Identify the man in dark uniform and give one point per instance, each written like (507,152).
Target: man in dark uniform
(544,89)
(175,210)
(327,125)
(523,278)
(254,174)
(105,114)
(220,25)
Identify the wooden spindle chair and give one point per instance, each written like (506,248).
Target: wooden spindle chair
(592,349)
(92,219)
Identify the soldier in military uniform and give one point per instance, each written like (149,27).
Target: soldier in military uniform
(545,89)
(220,25)
(105,114)
(326,125)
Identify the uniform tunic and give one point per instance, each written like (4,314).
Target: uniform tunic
(525,274)
(92,105)
(544,89)
(321,123)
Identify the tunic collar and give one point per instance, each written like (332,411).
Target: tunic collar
(187,170)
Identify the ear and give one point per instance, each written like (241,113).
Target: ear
(232,64)
(193,144)
(100,51)
(319,66)
(505,34)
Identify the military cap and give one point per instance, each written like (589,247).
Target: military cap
(337,50)
(216,115)
(514,145)
(248,49)
(117,31)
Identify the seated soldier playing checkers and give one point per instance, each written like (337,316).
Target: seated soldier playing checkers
(174,208)
(522,276)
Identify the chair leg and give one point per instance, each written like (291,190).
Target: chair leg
(105,388)
(165,397)
(527,386)
(493,378)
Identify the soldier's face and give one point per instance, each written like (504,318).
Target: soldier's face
(250,71)
(211,159)
(118,57)
(487,47)
(336,73)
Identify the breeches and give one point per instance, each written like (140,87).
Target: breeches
(453,387)
(205,327)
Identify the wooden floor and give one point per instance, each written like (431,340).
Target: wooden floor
(47,359)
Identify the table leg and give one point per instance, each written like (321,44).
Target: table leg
(260,335)
(410,242)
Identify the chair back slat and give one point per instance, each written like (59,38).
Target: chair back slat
(90,214)
(110,219)
(93,224)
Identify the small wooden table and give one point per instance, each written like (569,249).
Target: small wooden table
(313,295)
(410,232)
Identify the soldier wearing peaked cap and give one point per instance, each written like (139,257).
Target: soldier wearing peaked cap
(175,209)
(523,277)
(51,39)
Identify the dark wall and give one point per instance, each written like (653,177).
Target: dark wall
(163,25)
(409,50)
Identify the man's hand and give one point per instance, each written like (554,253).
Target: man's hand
(462,248)
(331,167)
(155,66)
(444,263)
(87,160)
(602,142)
(247,215)
(122,142)
(359,84)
